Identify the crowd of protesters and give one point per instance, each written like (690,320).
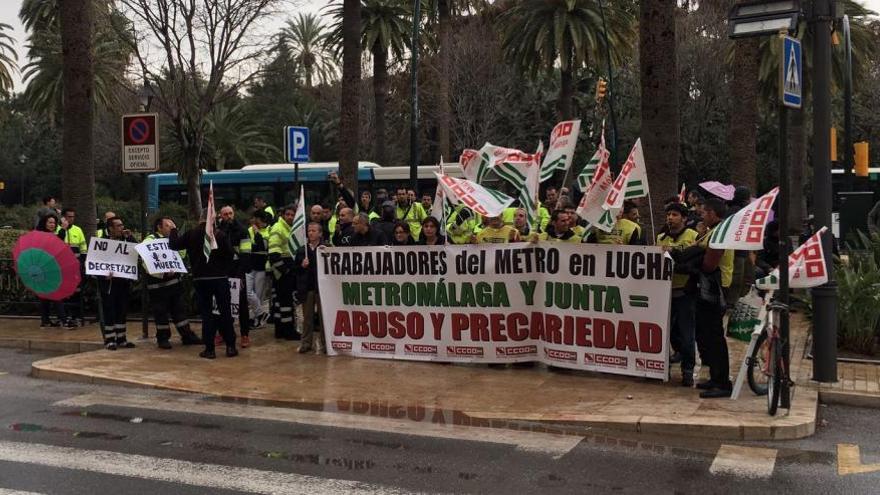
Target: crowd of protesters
(276,281)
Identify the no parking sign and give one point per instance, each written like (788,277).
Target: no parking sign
(140,143)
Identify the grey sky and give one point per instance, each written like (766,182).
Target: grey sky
(9,15)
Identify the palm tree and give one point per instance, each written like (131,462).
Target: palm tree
(539,34)
(78,171)
(8,60)
(305,38)
(743,131)
(232,134)
(43,73)
(350,115)
(660,132)
(385,26)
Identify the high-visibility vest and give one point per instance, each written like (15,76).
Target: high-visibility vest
(685,238)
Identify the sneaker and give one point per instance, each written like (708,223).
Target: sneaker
(716,393)
(69,324)
(208,354)
(164,344)
(304,349)
(110,347)
(245,341)
(126,345)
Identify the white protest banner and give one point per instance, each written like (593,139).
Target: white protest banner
(587,307)
(486,202)
(158,258)
(744,229)
(108,256)
(632,182)
(806,266)
(563,141)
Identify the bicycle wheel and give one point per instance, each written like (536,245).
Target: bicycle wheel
(757,364)
(774,377)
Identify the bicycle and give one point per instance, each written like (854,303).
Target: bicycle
(766,356)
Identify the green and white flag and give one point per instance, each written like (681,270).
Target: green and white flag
(475,164)
(744,230)
(601,155)
(632,182)
(210,242)
(806,266)
(590,207)
(487,202)
(523,172)
(297,237)
(560,153)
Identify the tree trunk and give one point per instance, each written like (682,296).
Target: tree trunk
(193,195)
(380,90)
(797,157)
(77,166)
(444,120)
(349,122)
(661,131)
(566,92)
(742,136)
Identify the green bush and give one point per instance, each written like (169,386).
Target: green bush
(859,308)
(8,237)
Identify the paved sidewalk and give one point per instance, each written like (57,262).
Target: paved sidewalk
(272,373)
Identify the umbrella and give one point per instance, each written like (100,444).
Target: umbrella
(723,191)
(46,265)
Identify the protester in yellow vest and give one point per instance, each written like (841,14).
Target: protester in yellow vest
(260,205)
(559,229)
(496,232)
(460,225)
(626,230)
(674,238)
(281,260)
(410,211)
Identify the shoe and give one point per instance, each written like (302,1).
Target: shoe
(716,393)
(164,344)
(687,380)
(208,354)
(110,347)
(231,351)
(126,345)
(69,323)
(50,324)
(675,358)
(304,349)
(707,385)
(245,341)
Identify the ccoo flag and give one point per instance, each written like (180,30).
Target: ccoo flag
(297,237)
(632,181)
(486,202)
(523,172)
(210,242)
(744,230)
(601,155)
(590,207)
(475,164)
(806,266)
(563,141)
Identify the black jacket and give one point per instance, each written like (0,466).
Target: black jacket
(235,233)
(306,278)
(193,241)
(373,237)
(343,237)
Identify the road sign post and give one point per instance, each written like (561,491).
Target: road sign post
(140,143)
(296,144)
(792,74)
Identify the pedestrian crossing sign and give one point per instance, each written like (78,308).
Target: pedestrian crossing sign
(791,68)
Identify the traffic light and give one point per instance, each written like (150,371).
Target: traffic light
(601,89)
(861,159)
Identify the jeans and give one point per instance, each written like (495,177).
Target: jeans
(207,290)
(683,328)
(256,292)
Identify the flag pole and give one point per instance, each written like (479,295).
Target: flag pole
(651,210)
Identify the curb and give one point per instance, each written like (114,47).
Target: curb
(69,347)
(801,422)
(842,398)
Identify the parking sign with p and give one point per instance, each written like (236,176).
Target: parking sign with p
(296,144)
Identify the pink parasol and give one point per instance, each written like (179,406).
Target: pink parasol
(723,191)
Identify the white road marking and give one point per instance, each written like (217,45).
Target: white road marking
(7,491)
(183,472)
(528,441)
(749,462)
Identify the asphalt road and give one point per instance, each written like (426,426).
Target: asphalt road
(121,440)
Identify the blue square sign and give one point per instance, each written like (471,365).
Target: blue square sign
(296,144)
(792,73)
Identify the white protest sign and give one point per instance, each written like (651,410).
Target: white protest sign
(159,258)
(107,256)
(234,294)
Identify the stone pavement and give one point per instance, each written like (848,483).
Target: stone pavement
(272,373)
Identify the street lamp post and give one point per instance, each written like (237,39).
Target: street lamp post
(414,108)
(824,297)
(145,98)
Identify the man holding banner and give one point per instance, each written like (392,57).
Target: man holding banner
(166,292)
(114,260)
